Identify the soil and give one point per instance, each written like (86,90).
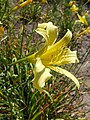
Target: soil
(84,73)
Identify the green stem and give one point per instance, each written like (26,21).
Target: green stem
(6,4)
(30,58)
(87,2)
(18,61)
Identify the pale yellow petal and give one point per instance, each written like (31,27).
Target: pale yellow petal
(56,48)
(41,75)
(65,56)
(43,33)
(66,73)
(48,31)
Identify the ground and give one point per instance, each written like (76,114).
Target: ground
(84,72)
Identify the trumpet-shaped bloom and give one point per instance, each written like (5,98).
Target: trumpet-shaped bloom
(74,8)
(82,19)
(51,55)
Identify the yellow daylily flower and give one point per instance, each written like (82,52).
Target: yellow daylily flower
(71,3)
(50,34)
(82,19)
(51,55)
(74,8)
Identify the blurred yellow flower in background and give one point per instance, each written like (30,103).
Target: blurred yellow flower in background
(74,8)
(82,19)
(1,31)
(71,3)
